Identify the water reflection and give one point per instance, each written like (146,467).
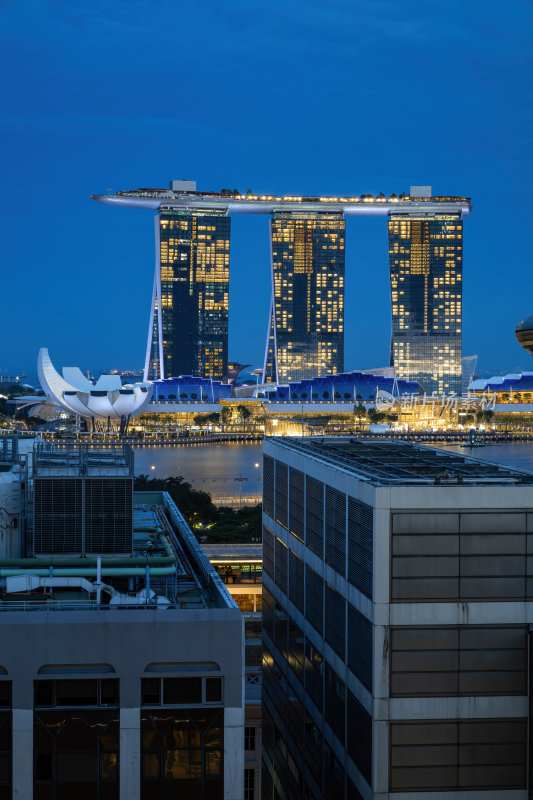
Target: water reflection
(513,454)
(213,468)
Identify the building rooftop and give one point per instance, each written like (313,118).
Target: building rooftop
(233,553)
(78,459)
(364,205)
(389,463)
(167,570)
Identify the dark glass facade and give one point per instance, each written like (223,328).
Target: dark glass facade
(182,754)
(316,644)
(194,290)
(306,332)
(76,731)
(426,269)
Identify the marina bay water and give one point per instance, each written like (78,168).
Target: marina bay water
(512,454)
(218,468)
(214,468)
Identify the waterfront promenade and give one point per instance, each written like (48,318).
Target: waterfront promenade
(451,437)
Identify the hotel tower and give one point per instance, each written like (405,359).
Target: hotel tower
(426,271)
(306,321)
(188,330)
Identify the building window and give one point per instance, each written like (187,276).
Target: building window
(360,646)
(296,503)
(249,784)
(76,754)
(335,702)
(181,751)
(314,671)
(268,552)
(359,745)
(360,545)
(76,693)
(296,580)
(314,598)
(281,493)
(314,516)
(249,738)
(268,486)
(281,556)
(336,530)
(335,620)
(180,691)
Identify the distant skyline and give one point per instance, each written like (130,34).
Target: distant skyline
(285,97)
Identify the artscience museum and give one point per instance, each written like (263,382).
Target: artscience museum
(107,400)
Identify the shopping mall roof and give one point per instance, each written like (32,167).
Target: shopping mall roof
(512,382)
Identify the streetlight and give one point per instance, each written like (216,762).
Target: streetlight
(240,479)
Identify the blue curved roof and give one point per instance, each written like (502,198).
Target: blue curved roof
(515,383)
(190,387)
(356,386)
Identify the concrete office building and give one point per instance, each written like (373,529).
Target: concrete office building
(396,627)
(240,568)
(121,670)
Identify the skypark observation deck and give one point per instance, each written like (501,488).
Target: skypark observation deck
(364,206)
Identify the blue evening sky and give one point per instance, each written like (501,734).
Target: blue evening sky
(285,96)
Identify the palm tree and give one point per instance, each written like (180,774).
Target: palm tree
(244,413)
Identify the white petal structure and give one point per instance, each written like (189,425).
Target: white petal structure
(107,399)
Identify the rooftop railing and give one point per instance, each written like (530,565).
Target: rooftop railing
(81,605)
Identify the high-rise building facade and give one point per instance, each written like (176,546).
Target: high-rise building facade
(426,270)
(306,329)
(189,320)
(396,639)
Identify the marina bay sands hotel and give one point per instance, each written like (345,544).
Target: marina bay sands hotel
(188,332)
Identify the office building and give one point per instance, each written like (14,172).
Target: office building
(188,332)
(121,672)
(239,566)
(305,338)
(426,272)
(306,329)
(468,367)
(396,628)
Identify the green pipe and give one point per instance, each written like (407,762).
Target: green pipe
(107,561)
(55,561)
(88,572)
